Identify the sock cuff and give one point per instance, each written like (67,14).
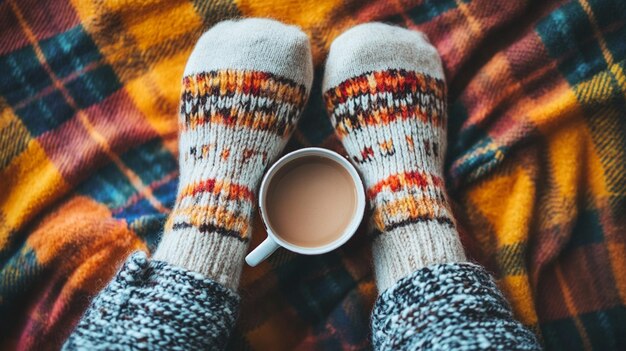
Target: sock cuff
(399,252)
(214,255)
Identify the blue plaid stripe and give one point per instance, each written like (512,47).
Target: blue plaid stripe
(30,91)
(151,162)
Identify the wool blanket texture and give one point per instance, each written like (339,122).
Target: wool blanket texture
(536,163)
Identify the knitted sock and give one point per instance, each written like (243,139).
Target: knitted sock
(244,87)
(386,97)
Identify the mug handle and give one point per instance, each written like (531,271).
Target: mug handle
(263,251)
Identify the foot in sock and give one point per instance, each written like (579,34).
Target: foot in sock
(244,87)
(385,94)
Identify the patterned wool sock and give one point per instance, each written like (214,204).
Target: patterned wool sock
(244,87)
(386,97)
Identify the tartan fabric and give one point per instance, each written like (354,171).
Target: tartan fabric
(536,162)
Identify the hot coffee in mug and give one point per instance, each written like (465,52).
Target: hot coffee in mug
(311,201)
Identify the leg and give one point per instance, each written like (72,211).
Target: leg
(386,96)
(245,85)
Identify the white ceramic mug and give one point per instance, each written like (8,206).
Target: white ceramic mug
(273,241)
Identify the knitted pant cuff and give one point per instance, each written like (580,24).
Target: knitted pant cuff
(455,306)
(402,251)
(215,256)
(152,305)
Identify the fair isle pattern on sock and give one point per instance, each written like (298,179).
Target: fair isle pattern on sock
(392,123)
(381,116)
(233,123)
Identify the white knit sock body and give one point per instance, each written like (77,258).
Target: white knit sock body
(386,96)
(244,88)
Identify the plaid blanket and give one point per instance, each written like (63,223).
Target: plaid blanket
(536,163)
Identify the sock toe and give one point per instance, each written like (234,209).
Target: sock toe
(254,44)
(374,47)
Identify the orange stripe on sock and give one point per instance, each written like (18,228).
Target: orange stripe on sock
(260,84)
(257,120)
(400,181)
(408,208)
(383,81)
(217,186)
(198,216)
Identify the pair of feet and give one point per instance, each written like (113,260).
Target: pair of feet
(244,88)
